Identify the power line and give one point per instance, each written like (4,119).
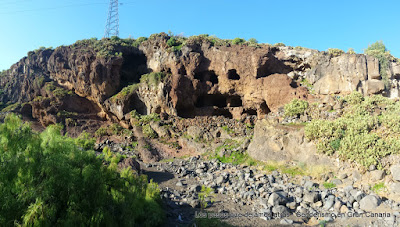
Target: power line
(52,8)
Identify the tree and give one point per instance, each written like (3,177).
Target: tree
(47,179)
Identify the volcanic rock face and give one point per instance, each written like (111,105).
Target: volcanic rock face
(202,79)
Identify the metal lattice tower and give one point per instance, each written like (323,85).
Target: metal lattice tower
(112,26)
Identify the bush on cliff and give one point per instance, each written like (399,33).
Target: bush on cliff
(238,41)
(378,50)
(365,133)
(295,107)
(335,52)
(47,179)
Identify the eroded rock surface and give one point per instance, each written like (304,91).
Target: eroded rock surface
(203,79)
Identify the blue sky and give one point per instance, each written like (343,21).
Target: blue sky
(28,24)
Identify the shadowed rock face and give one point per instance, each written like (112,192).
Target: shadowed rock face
(203,80)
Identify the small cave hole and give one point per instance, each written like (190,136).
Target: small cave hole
(232,75)
(181,71)
(234,101)
(294,84)
(250,111)
(207,76)
(264,108)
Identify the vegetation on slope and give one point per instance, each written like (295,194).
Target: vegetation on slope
(366,132)
(47,179)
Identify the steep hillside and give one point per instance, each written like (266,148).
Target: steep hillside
(270,129)
(199,76)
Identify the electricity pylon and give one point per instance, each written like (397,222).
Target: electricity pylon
(112,26)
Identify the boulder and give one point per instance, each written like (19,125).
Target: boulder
(374,87)
(276,199)
(370,203)
(283,143)
(377,175)
(395,171)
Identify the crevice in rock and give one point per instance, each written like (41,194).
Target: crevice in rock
(232,75)
(207,76)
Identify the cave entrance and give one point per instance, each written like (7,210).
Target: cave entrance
(217,100)
(271,66)
(232,75)
(250,112)
(134,65)
(136,104)
(222,112)
(264,109)
(234,101)
(207,76)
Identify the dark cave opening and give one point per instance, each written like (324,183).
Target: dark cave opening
(217,100)
(232,75)
(222,112)
(136,104)
(234,101)
(264,108)
(134,65)
(271,66)
(294,84)
(207,76)
(250,111)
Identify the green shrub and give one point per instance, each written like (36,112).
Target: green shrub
(233,155)
(253,41)
(101,132)
(115,129)
(47,180)
(238,41)
(125,92)
(57,91)
(295,107)
(354,98)
(335,52)
(206,194)
(279,45)
(148,131)
(173,42)
(139,41)
(329,185)
(85,141)
(228,130)
(379,187)
(360,134)
(351,51)
(153,78)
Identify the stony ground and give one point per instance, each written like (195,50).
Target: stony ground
(272,199)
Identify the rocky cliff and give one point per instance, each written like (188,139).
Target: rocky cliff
(200,78)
